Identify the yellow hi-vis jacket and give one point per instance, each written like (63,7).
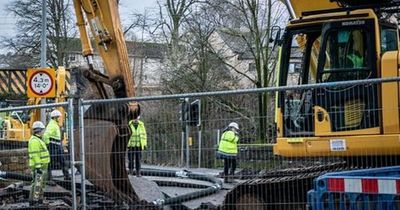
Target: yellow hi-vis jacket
(138,135)
(38,154)
(52,132)
(228,143)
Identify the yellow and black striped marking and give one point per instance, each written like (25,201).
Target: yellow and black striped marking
(12,81)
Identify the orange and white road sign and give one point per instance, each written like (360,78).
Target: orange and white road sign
(41,83)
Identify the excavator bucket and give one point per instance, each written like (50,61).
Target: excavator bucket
(106,135)
(105,146)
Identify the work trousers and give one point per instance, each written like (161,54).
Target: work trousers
(57,159)
(229,163)
(134,157)
(38,184)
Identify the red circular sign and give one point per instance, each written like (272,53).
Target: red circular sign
(41,83)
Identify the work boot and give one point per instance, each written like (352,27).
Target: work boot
(138,174)
(35,202)
(227,180)
(66,175)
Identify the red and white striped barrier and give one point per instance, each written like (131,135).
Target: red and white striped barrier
(364,185)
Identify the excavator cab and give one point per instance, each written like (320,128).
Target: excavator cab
(336,46)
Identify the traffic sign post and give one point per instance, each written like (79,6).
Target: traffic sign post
(41,83)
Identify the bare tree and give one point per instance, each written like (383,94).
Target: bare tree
(172,14)
(59,28)
(251,22)
(189,26)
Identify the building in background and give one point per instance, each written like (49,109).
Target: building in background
(146,61)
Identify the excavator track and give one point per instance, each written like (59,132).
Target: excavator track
(284,189)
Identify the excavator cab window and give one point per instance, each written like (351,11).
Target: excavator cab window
(349,53)
(298,66)
(345,55)
(334,51)
(389,38)
(22,116)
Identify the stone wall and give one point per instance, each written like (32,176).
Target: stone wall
(15,160)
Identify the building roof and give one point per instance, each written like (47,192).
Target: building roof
(147,49)
(136,49)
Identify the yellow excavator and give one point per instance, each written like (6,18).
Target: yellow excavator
(107,172)
(339,126)
(340,44)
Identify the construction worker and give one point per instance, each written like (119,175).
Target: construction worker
(356,55)
(52,137)
(137,142)
(39,159)
(228,149)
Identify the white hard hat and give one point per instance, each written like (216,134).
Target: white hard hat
(55,113)
(233,125)
(38,125)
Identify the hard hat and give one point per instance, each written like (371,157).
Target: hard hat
(55,113)
(233,125)
(38,125)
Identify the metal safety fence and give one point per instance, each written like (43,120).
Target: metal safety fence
(287,137)
(19,167)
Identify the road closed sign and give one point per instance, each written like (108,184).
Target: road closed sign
(41,83)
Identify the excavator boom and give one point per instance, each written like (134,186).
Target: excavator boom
(104,21)
(105,147)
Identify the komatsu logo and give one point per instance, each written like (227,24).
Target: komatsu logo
(353,23)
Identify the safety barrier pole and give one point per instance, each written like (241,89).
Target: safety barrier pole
(72,154)
(82,146)
(199,133)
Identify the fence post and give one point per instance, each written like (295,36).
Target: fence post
(187,130)
(217,140)
(199,132)
(72,149)
(187,135)
(82,146)
(182,148)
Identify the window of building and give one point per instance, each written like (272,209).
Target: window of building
(71,58)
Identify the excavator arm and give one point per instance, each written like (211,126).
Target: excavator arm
(105,148)
(104,21)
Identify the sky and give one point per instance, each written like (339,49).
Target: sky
(127,7)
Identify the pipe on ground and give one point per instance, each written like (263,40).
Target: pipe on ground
(217,185)
(16,176)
